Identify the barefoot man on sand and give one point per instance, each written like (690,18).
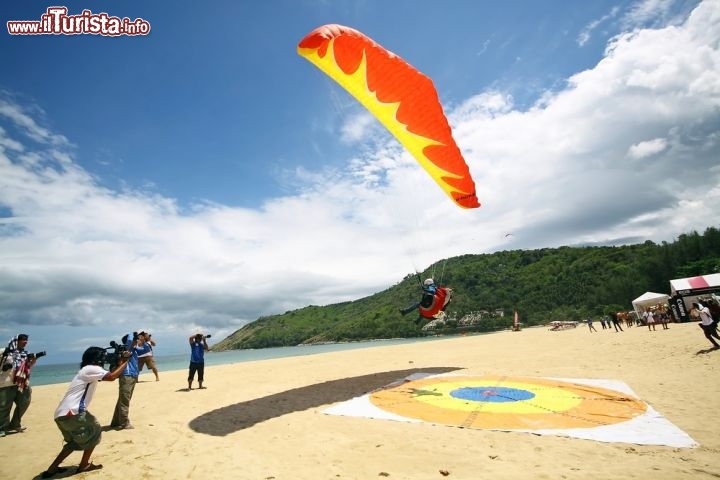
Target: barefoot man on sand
(198,347)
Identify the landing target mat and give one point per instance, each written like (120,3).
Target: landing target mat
(602,410)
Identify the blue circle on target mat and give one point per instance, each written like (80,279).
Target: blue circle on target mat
(492,394)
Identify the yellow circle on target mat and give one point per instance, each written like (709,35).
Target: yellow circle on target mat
(508,402)
(542,397)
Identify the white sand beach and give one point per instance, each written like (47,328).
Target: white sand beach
(262,420)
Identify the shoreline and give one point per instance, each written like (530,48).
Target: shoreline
(179,361)
(263,419)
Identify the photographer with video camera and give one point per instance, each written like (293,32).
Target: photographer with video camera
(80,429)
(15,383)
(127,381)
(198,347)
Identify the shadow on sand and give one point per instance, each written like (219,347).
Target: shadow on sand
(230,419)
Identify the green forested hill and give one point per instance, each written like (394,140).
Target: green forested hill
(565,283)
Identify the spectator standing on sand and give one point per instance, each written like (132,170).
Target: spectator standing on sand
(198,347)
(145,354)
(126,384)
(649,319)
(662,316)
(590,324)
(15,383)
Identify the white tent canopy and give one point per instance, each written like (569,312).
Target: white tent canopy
(687,290)
(648,299)
(695,285)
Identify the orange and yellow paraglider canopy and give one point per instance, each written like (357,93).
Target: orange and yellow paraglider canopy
(402,98)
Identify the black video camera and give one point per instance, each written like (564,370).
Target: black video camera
(7,365)
(114,354)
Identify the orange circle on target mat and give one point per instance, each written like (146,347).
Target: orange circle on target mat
(508,403)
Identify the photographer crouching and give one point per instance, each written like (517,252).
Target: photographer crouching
(15,383)
(80,429)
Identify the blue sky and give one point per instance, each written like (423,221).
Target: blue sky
(205,175)
(216,85)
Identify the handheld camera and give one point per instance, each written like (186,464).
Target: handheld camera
(114,353)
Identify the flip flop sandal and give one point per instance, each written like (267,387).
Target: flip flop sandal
(89,468)
(47,474)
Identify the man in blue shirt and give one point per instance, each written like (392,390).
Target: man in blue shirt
(198,347)
(127,381)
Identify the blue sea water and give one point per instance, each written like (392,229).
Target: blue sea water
(64,372)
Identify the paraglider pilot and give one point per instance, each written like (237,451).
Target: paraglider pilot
(428,294)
